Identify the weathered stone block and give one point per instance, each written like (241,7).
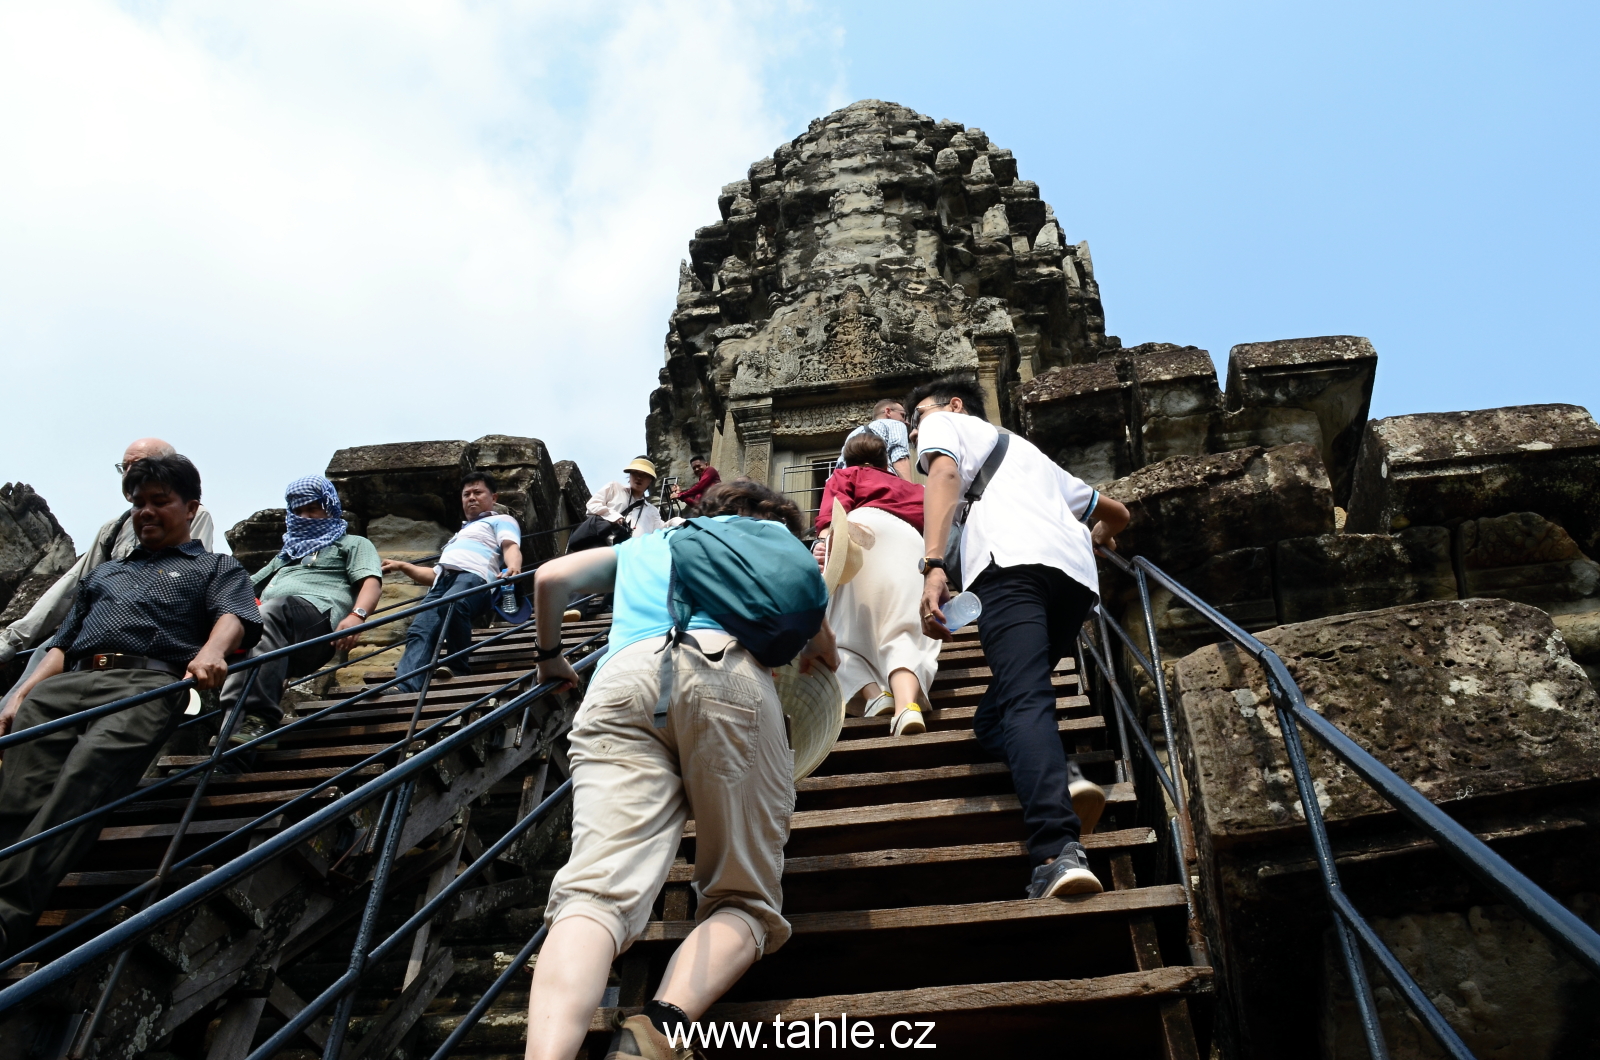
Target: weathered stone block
(1188,509)
(1330,376)
(1449,466)
(1474,702)
(1176,399)
(1237,583)
(31,540)
(414,480)
(1463,699)
(1499,981)
(255,539)
(1078,415)
(1336,574)
(529,490)
(575,493)
(1526,557)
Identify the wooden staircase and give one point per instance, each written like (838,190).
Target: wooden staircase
(904,883)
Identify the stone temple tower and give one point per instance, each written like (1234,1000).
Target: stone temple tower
(878,249)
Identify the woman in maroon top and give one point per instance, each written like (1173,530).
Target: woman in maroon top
(883,653)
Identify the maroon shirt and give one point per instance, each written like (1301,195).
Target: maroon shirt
(867,487)
(707,479)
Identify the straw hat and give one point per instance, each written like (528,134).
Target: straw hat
(814,706)
(641,464)
(847,545)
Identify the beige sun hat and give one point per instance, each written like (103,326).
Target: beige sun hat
(642,465)
(814,706)
(847,548)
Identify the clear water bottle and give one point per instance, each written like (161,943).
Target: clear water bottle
(962,609)
(508,596)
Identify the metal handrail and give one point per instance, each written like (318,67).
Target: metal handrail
(160,912)
(1353,932)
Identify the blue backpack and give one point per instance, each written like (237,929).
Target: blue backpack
(751,577)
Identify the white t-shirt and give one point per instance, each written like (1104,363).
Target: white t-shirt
(1032,510)
(476,548)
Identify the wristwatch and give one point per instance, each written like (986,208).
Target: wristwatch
(361,613)
(546,654)
(928,563)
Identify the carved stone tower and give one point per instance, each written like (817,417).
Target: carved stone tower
(879,249)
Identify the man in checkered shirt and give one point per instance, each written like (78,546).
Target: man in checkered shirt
(170,610)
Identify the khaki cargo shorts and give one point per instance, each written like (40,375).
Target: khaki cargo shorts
(722,759)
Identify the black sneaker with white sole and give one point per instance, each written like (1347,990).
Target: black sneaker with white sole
(1067,874)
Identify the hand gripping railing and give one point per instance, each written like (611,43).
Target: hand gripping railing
(395,786)
(152,886)
(1351,929)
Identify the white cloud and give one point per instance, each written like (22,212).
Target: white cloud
(268,231)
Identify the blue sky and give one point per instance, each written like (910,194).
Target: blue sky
(266,232)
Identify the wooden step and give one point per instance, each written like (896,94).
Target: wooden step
(916,947)
(942,717)
(968,694)
(937,822)
(885,753)
(975,872)
(1112,1016)
(937,782)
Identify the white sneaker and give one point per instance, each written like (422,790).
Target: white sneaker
(908,723)
(881,702)
(1088,802)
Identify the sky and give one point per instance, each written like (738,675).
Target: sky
(266,232)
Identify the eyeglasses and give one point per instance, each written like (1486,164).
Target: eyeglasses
(916,413)
(122,468)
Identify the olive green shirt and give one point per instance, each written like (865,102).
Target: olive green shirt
(328,578)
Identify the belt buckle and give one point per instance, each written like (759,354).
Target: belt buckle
(103,661)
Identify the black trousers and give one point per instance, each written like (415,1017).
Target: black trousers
(285,620)
(1031,617)
(69,772)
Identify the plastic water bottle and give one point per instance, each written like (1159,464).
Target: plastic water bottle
(508,596)
(962,609)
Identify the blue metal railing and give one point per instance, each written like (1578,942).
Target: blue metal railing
(1353,932)
(154,911)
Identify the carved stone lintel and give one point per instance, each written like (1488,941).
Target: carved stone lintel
(821,419)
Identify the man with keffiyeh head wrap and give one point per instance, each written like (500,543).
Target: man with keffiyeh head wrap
(324,578)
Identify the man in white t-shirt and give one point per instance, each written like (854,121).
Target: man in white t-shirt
(488,546)
(1027,552)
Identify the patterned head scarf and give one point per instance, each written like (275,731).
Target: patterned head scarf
(306,536)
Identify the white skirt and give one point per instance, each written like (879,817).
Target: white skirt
(876,616)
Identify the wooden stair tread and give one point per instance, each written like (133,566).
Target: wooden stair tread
(123,833)
(935,737)
(683,872)
(973,997)
(1108,903)
(950,717)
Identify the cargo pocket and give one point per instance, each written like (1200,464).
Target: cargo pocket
(725,738)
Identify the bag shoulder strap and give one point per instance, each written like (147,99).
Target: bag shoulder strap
(991,464)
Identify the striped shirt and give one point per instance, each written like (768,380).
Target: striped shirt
(476,548)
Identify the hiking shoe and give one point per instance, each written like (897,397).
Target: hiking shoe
(1088,802)
(249,727)
(1067,874)
(443,673)
(881,702)
(908,723)
(638,1037)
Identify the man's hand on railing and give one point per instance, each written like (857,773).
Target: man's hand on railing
(1103,537)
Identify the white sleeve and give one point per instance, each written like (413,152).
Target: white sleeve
(601,503)
(938,434)
(1081,497)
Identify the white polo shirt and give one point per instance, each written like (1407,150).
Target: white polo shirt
(1031,512)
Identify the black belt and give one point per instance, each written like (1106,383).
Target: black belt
(118,661)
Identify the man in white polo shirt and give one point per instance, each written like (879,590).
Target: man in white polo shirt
(1028,554)
(487,544)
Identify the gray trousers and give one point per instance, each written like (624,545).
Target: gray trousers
(285,620)
(69,772)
